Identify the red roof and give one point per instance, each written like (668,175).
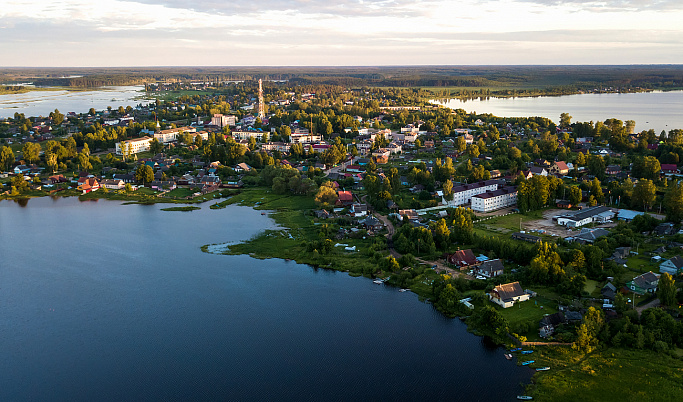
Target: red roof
(669,167)
(463,257)
(345,196)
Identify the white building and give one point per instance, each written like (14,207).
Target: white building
(508,294)
(493,200)
(305,138)
(246,134)
(585,216)
(172,134)
(276,146)
(463,193)
(224,120)
(134,146)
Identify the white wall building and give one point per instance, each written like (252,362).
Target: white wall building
(246,134)
(172,134)
(463,193)
(224,120)
(297,138)
(134,146)
(493,200)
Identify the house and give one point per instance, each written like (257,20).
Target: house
(88,184)
(493,200)
(549,322)
(526,237)
(613,170)
(463,258)
(58,179)
(628,215)
(410,214)
(538,171)
(669,168)
(209,180)
(560,168)
(645,283)
(113,184)
(564,204)
(372,223)
(127,177)
(508,294)
(588,236)
(609,291)
(490,268)
(359,210)
(242,167)
(664,229)
(345,198)
(672,266)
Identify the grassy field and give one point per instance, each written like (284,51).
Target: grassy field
(610,375)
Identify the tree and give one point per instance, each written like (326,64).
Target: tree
(596,190)
(144,173)
(326,194)
(448,190)
(442,234)
(644,194)
(565,120)
(473,150)
(57,117)
(673,202)
(31,152)
(155,146)
(575,195)
(666,290)
(19,183)
(6,158)
(546,267)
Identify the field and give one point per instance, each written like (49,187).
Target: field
(610,375)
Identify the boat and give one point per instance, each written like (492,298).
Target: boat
(525,397)
(508,356)
(515,350)
(378,281)
(528,362)
(527,352)
(543,368)
(403,290)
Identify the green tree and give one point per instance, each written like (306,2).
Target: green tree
(673,202)
(57,117)
(156,147)
(144,173)
(644,194)
(575,195)
(326,194)
(666,290)
(448,190)
(565,120)
(442,234)
(596,190)
(31,152)
(19,183)
(6,158)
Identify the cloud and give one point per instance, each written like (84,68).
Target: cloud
(614,5)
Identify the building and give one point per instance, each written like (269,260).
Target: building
(276,146)
(669,168)
(508,294)
(526,237)
(585,216)
(246,134)
(538,171)
(560,168)
(463,193)
(490,268)
(645,283)
(172,134)
(223,120)
(113,184)
(493,200)
(305,138)
(134,146)
(463,259)
(88,184)
(588,235)
(672,266)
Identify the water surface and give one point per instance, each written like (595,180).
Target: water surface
(103,301)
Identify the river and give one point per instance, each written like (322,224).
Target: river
(41,103)
(650,110)
(109,302)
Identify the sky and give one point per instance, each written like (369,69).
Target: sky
(112,33)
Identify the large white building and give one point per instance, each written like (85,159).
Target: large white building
(221,120)
(493,200)
(585,216)
(172,134)
(305,138)
(463,193)
(134,146)
(246,134)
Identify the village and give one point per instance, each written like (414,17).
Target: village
(531,229)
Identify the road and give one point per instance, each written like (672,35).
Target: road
(653,303)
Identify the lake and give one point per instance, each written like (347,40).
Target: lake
(650,110)
(108,302)
(41,103)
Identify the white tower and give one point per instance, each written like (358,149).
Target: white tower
(261,105)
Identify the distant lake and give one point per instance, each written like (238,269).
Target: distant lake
(657,110)
(41,103)
(110,302)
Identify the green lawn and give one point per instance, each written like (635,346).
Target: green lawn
(610,375)
(180,192)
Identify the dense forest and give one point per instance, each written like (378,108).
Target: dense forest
(560,79)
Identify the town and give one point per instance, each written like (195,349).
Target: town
(535,233)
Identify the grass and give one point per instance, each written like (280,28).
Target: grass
(609,375)
(180,192)
(187,208)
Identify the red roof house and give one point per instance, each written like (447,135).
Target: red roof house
(463,258)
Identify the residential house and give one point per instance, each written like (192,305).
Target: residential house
(669,168)
(508,294)
(166,185)
(613,170)
(560,168)
(645,283)
(609,291)
(372,223)
(58,179)
(490,268)
(664,229)
(549,323)
(672,266)
(113,184)
(538,171)
(134,146)
(345,199)
(242,167)
(88,184)
(564,204)
(628,215)
(493,200)
(588,236)
(463,259)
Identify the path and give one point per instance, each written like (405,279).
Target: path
(390,233)
(653,303)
